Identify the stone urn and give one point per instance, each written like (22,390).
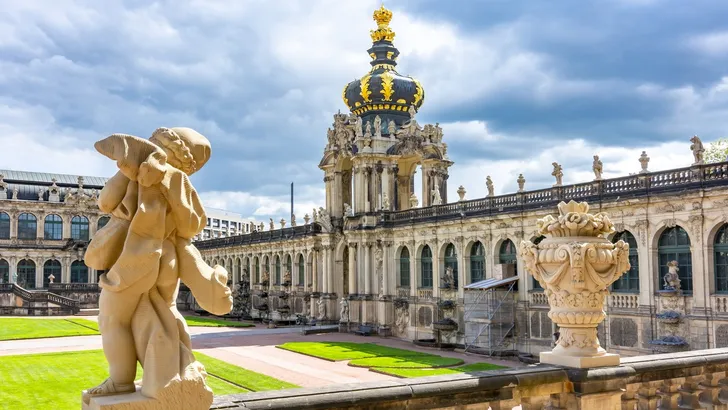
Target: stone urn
(575,265)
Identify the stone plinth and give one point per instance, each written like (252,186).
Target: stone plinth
(189,395)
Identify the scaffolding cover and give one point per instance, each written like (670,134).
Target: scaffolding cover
(491,283)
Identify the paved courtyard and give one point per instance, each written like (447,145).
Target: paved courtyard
(255,349)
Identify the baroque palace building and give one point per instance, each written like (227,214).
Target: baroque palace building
(415,266)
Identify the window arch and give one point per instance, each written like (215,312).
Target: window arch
(720,248)
(51,267)
(102,222)
(4,225)
(451,261)
(674,245)
(301,270)
(79,228)
(53,228)
(26,274)
(507,252)
(426,267)
(4,271)
(477,262)
(27,226)
(630,280)
(278,270)
(535,285)
(79,272)
(404,267)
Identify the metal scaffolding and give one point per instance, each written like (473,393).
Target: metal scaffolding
(490,316)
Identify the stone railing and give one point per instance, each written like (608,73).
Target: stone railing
(261,237)
(403,291)
(697,177)
(685,380)
(425,293)
(73,287)
(719,303)
(538,299)
(624,300)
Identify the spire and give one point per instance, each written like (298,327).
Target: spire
(383,52)
(382,16)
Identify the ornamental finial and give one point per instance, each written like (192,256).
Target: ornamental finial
(382,16)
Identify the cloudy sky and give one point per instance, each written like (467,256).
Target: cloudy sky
(515,85)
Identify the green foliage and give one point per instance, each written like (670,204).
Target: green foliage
(411,373)
(55,380)
(406,362)
(209,322)
(717,151)
(336,351)
(23,328)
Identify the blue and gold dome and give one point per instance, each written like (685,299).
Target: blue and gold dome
(383,91)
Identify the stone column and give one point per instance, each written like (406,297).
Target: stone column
(367,189)
(436,272)
(337,205)
(425,195)
(367,269)
(352,269)
(386,187)
(40,233)
(325,273)
(66,219)
(414,267)
(14,225)
(39,273)
(66,270)
(386,255)
(13,268)
(331,281)
(575,264)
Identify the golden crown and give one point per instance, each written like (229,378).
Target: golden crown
(382,16)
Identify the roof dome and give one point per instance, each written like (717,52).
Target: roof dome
(383,91)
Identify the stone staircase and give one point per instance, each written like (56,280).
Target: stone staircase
(15,300)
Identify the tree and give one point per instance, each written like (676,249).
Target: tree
(717,151)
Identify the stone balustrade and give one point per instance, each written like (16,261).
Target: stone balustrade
(687,380)
(539,299)
(720,303)
(425,293)
(624,301)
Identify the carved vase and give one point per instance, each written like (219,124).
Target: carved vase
(575,265)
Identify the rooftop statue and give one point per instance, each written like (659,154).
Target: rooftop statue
(146,250)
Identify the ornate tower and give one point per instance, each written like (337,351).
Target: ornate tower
(372,153)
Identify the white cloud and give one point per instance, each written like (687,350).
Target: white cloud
(714,44)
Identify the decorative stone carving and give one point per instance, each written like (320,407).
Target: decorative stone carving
(347,210)
(271,224)
(368,130)
(144,267)
(15,193)
(392,128)
(461,193)
(521,182)
(377,127)
(436,198)
(414,202)
(324,219)
(575,265)
(697,148)
(558,173)
(306,219)
(448,279)
(293,219)
(321,309)
(283,223)
(671,278)
(644,161)
(344,310)
(51,278)
(378,265)
(386,205)
(597,167)
(489,186)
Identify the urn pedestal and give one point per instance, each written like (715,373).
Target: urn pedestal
(575,264)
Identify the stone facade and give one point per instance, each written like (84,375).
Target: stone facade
(386,250)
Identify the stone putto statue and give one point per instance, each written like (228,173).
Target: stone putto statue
(698,150)
(644,160)
(344,310)
(558,173)
(521,182)
(448,279)
(597,168)
(414,202)
(489,185)
(671,278)
(368,130)
(146,250)
(347,210)
(436,198)
(386,205)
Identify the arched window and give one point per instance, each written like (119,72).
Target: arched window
(426,267)
(4,271)
(507,253)
(4,226)
(289,266)
(53,228)
(27,227)
(404,268)
(535,284)
(79,228)
(451,261)
(51,267)
(301,270)
(26,274)
(674,245)
(630,281)
(256,279)
(721,260)
(102,222)
(266,267)
(239,269)
(278,270)
(477,262)
(79,272)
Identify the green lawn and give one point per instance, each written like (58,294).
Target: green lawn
(410,373)
(55,380)
(335,351)
(208,322)
(406,362)
(23,328)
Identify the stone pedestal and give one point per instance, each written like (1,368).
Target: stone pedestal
(575,264)
(185,394)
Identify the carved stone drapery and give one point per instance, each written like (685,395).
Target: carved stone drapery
(575,264)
